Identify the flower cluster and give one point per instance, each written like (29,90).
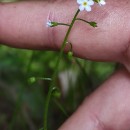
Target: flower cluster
(83,5)
(86,4)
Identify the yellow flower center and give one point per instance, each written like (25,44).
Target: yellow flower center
(85,3)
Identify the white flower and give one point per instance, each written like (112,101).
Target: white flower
(101,2)
(85,4)
(49,23)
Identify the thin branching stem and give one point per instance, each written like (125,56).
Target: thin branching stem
(63,24)
(93,24)
(56,71)
(82,20)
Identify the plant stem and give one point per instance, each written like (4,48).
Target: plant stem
(56,70)
(63,24)
(93,24)
(61,108)
(82,20)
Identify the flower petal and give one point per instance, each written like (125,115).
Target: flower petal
(102,2)
(88,8)
(90,2)
(79,1)
(81,8)
(49,23)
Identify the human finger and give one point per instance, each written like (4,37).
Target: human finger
(23,25)
(107,108)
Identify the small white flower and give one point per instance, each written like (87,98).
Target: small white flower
(85,5)
(49,23)
(101,2)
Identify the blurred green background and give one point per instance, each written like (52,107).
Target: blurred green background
(22,100)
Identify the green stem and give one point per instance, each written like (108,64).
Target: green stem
(82,20)
(61,108)
(93,24)
(56,70)
(63,24)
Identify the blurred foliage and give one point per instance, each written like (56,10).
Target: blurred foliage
(22,102)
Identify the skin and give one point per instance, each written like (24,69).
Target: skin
(108,108)
(23,25)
